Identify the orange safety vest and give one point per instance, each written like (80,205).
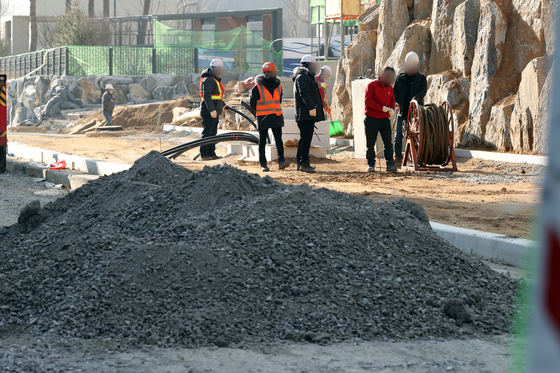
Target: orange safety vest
(269,104)
(220,88)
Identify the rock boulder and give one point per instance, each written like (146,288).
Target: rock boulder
(527,104)
(442,34)
(540,130)
(422,9)
(91,92)
(488,57)
(137,93)
(415,38)
(465,31)
(393,20)
(498,127)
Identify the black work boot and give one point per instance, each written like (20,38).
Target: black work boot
(391,166)
(283,164)
(306,167)
(264,168)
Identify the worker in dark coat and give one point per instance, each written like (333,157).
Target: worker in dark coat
(108,101)
(212,105)
(308,107)
(266,102)
(410,85)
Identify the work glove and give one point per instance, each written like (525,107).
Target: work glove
(313,113)
(214,114)
(226,107)
(386,109)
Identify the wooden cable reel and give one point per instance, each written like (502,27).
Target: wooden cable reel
(430,132)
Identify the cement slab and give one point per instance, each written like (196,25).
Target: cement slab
(502,157)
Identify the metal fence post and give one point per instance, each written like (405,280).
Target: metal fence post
(195,64)
(154,61)
(111,61)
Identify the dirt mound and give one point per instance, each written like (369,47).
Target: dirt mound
(142,118)
(162,255)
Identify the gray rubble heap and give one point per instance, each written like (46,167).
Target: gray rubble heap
(162,255)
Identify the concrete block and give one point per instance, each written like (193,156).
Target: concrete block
(77,180)
(314,151)
(512,251)
(502,157)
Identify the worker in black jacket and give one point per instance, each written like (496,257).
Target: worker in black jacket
(410,85)
(212,105)
(266,102)
(308,107)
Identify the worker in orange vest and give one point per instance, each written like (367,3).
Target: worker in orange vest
(212,105)
(266,101)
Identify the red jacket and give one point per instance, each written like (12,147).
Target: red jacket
(377,96)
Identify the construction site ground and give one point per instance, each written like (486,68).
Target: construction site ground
(488,196)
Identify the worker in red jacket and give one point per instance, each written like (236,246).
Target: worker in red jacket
(380,105)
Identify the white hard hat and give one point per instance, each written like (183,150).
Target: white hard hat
(412,59)
(327,69)
(308,58)
(216,62)
(109,86)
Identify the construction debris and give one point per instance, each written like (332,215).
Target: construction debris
(162,255)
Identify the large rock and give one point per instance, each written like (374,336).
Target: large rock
(447,86)
(549,19)
(137,93)
(422,9)
(442,34)
(527,104)
(393,20)
(116,80)
(465,31)
(415,38)
(181,78)
(358,61)
(369,19)
(30,97)
(180,89)
(162,93)
(488,57)
(91,91)
(148,83)
(542,120)
(193,89)
(498,127)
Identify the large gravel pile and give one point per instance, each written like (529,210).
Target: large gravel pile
(162,255)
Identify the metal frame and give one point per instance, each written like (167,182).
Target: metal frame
(414,129)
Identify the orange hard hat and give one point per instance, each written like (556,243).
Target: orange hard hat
(269,66)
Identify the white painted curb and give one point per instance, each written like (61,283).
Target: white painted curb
(502,157)
(512,251)
(88,165)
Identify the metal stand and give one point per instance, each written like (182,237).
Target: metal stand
(414,129)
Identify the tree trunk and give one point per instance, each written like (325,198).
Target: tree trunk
(33,25)
(68,6)
(143,25)
(91,8)
(106,8)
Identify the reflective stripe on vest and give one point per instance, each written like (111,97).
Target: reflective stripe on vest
(220,88)
(269,104)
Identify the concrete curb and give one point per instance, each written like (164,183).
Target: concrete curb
(502,157)
(87,165)
(508,250)
(72,180)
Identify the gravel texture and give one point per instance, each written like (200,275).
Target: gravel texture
(165,256)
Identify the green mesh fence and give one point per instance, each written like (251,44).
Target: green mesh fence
(86,60)
(132,61)
(176,60)
(242,50)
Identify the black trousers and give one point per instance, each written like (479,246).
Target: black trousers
(373,127)
(3,150)
(277,133)
(306,128)
(210,128)
(399,134)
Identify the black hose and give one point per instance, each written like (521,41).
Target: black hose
(248,107)
(239,136)
(434,137)
(244,116)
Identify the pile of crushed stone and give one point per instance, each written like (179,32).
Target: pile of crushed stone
(162,255)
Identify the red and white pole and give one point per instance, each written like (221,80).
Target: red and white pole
(3,124)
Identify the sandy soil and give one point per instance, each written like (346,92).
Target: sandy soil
(500,205)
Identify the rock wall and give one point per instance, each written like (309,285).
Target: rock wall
(488,58)
(27,98)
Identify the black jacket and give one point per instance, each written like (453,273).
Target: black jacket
(266,121)
(307,96)
(208,89)
(107,104)
(409,87)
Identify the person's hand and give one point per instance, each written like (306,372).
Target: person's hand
(113,100)
(386,109)
(214,114)
(391,111)
(328,110)
(226,107)
(313,113)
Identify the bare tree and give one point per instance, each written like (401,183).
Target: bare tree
(298,13)
(91,8)
(106,8)
(144,24)
(33,25)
